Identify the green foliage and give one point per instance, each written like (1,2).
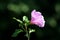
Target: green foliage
(21,7)
(2,6)
(14,7)
(25,19)
(52,22)
(31,30)
(57,8)
(17,20)
(26,35)
(17,31)
(24,7)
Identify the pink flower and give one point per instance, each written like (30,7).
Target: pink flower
(37,18)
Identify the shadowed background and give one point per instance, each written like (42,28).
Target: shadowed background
(50,9)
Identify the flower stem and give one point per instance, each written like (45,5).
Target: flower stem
(27,32)
(28,36)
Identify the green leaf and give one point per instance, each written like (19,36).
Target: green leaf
(17,20)
(25,19)
(31,30)
(14,8)
(26,35)
(17,31)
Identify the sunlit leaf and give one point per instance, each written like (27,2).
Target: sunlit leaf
(17,20)
(25,19)
(31,30)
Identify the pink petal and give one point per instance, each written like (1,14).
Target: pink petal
(37,18)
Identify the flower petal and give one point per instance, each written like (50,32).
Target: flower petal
(37,18)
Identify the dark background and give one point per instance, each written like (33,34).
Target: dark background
(50,9)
